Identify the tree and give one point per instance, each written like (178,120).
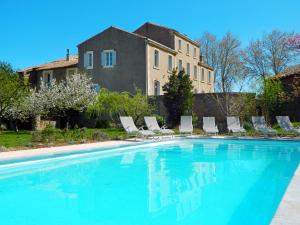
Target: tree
(12,89)
(277,50)
(256,61)
(61,99)
(293,42)
(268,56)
(111,105)
(178,97)
(224,56)
(271,97)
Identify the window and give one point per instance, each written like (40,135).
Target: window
(108,58)
(195,73)
(187,49)
(156,88)
(202,75)
(71,71)
(156,58)
(47,77)
(209,76)
(170,62)
(179,64)
(188,69)
(195,53)
(195,91)
(179,45)
(88,60)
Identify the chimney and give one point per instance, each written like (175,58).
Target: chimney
(68,55)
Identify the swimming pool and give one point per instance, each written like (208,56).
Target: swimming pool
(182,181)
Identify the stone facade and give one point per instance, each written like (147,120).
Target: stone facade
(143,59)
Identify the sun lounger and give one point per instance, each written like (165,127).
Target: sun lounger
(234,125)
(186,125)
(209,125)
(130,128)
(285,123)
(260,125)
(153,126)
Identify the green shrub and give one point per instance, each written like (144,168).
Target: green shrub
(100,136)
(48,133)
(248,126)
(36,136)
(161,120)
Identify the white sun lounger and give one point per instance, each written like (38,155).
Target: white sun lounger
(234,125)
(152,125)
(186,125)
(285,123)
(209,125)
(260,125)
(130,128)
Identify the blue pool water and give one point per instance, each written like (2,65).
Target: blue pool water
(178,182)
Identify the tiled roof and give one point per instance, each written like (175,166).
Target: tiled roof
(60,63)
(289,72)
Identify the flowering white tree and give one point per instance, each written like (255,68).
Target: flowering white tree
(55,99)
(60,99)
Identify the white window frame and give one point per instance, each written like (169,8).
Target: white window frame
(47,72)
(87,64)
(195,53)
(170,63)
(110,62)
(187,49)
(71,69)
(156,59)
(209,77)
(188,69)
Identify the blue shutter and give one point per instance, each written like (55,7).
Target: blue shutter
(85,60)
(102,58)
(114,57)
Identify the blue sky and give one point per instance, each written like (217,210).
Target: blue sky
(34,32)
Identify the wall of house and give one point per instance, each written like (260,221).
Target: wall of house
(59,74)
(130,69)
(160,73)
(157,33)
(199,85)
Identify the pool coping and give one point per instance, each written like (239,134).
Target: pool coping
(288,211)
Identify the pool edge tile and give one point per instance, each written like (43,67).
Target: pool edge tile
(288,212)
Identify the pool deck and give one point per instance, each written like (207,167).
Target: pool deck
(288,212)
(56,150)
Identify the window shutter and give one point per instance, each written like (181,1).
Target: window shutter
(114,57)
(85,60)
(103,58)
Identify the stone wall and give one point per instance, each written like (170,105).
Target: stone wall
(212,104)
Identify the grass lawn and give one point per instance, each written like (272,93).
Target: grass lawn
(10,139)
